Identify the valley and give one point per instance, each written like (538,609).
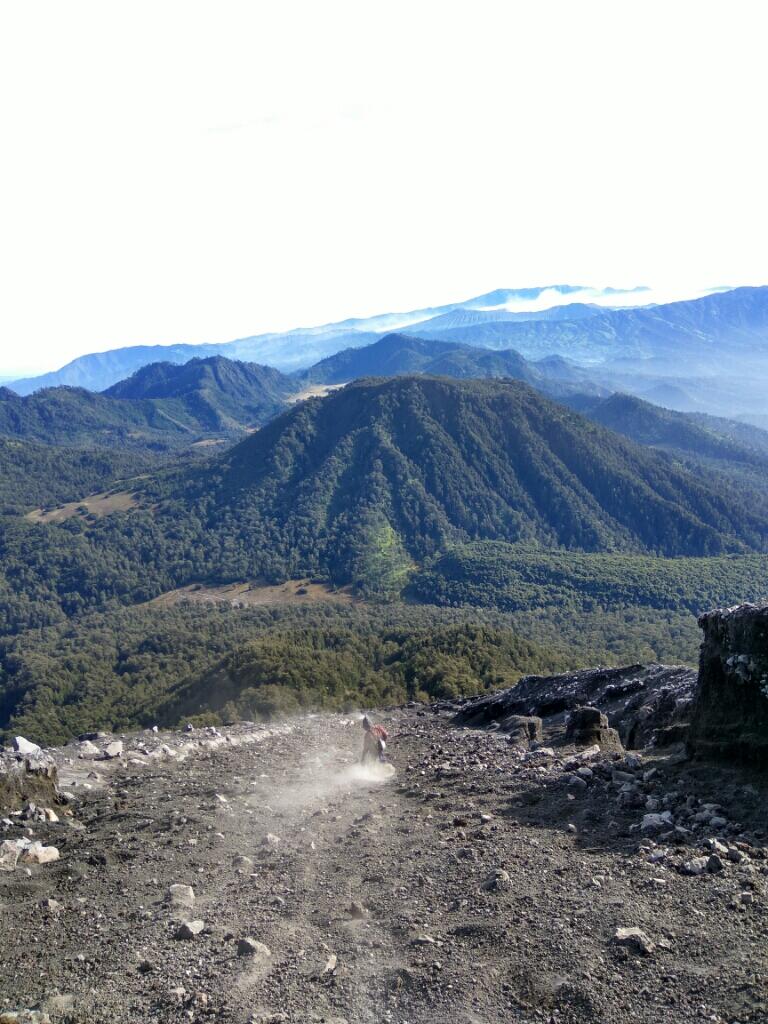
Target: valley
(596,531)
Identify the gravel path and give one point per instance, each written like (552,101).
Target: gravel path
(467,884)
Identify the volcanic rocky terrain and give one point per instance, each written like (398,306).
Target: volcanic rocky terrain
(565,851)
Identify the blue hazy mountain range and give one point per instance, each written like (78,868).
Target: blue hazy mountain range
(299,348)
(708,354)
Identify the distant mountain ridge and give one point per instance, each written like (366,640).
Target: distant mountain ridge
(287,350)
(161,404)
(400,354)
(706,355)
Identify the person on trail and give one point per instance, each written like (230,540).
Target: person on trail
(374,741)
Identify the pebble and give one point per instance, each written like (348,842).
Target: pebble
(634,939)
(497,881)
(252,947)
(181,896)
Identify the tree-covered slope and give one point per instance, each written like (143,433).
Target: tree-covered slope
(162,405)
(402,354)
(364,485)
(221,394)
(34,475)
(648,424)
(414,464)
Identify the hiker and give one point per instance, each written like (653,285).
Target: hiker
(374,741)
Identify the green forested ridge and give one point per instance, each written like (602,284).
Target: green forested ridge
(358,486)
(480,494)
(161,405)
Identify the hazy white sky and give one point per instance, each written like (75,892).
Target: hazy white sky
(185,171)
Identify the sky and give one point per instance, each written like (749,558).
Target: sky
(198,172)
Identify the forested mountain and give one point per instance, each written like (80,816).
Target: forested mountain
(400,354)
(366,483)
(161,405)
(222,394)
(648,424)
(413,464)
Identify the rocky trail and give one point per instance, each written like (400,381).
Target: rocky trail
(210,877)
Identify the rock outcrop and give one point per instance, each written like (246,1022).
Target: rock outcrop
(25,779)
(587,727)
(730,715)
(646,704)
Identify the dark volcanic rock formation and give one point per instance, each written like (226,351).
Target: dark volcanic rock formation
(588,726)
(730,717)
(644,703)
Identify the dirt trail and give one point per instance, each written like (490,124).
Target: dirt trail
(370,892)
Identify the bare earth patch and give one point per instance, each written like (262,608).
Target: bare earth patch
(246,595)
(98,505)
(315,391)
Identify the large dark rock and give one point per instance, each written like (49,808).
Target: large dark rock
(522,729)
(730,716)
(646,704)
(589,726)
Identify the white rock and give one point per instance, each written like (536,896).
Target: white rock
(22,746)
(36,853)
(9,855)
(635,939)
(252,947)
(656,822)
(181,896)
(697,866)
(189,929)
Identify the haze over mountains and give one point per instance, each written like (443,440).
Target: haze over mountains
(708,354)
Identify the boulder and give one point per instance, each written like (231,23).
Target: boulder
(522,729)
(252,947)
(36,853)
(730,711)
(22,746)
(587,726)
(497,881)
(646,704)
(32,780)
(114,749)
(9,855)
(181,896)
(189,930)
